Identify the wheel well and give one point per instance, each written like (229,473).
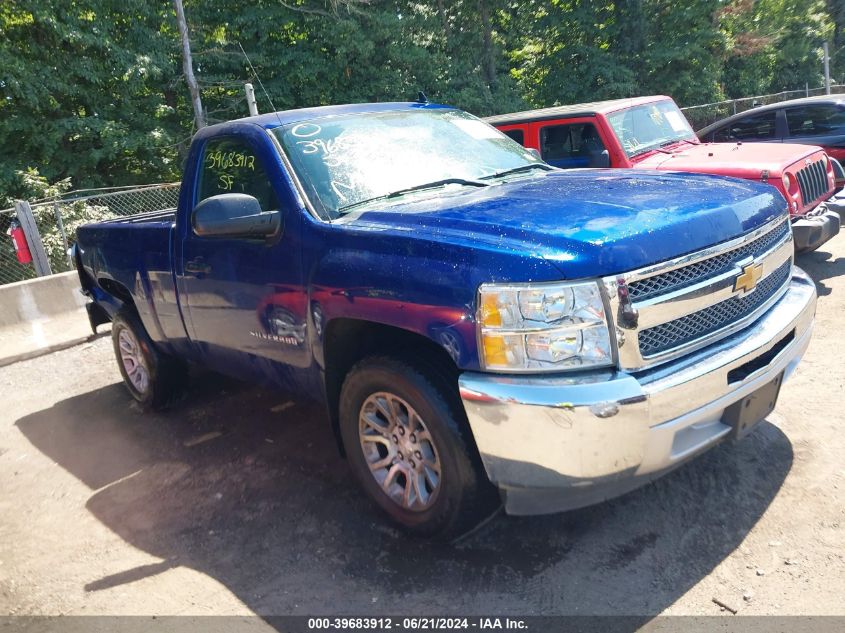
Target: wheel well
(348,341)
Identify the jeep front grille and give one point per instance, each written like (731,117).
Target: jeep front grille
(812,181)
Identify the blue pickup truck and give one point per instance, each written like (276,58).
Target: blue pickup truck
(483,329)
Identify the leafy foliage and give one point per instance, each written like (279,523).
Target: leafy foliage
(775,45)
(73,215)
(92,90)
(88,92)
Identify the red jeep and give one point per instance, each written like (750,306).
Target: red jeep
(652,133)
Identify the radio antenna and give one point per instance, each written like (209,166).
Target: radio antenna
(260,83)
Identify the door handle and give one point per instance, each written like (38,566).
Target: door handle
(197,267)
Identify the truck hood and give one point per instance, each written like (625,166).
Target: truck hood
(743,160)
(587,222)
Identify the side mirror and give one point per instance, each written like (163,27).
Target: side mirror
(234,215)
(600,159)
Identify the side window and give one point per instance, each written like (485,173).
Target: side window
(815,120)
(758,126)
(231,166)
(573,145)
(517,135)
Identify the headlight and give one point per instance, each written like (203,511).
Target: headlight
(786,182)
(542,327)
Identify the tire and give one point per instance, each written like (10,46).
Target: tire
(153,378)
(400,425)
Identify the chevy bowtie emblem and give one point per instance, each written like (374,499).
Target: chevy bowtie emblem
(748,278)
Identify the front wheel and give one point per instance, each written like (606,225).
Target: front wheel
(153,378)
(409,445)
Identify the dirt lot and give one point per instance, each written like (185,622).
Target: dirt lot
(235,502)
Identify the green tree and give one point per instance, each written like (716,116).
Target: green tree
(774,45)
(685,51)
(836,11)
(566,54)
(92,90)
(88,92)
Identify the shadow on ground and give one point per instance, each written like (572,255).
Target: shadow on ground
(821,265)
(268,509)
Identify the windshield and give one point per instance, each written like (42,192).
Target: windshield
(345,161)
(647,127)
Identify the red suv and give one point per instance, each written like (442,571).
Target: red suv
(652,133)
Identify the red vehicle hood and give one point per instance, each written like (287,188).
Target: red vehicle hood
(742,160)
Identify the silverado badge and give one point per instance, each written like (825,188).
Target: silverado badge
(748,278)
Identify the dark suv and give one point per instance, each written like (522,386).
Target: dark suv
(811,121)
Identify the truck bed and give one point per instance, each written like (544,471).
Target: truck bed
(124,255)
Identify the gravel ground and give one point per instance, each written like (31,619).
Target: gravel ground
(235,502)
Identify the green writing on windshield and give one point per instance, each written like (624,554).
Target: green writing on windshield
(229,160)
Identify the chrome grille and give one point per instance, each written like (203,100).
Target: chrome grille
(812,181)
(686,329)
(688,275)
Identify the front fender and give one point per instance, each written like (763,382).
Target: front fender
(412,283)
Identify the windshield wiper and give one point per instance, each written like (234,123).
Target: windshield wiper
(517,170)
(426,185)
(659,147)
(650,148)
(675,141)
(438,183)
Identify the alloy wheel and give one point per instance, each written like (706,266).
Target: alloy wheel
(133,361)
(399,451)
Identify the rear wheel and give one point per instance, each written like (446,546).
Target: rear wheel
(410,447)
(153,378)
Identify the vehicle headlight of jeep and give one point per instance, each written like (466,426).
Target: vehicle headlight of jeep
(542,327)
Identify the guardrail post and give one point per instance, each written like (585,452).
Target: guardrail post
(33,238)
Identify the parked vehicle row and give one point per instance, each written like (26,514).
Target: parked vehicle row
(652,133)
(816,121)
(482,328)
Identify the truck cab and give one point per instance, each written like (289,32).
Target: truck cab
(652,133)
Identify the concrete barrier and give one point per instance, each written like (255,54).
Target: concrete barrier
(42,315)
(40,298)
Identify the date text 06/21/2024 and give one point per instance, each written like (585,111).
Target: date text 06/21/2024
(416,623)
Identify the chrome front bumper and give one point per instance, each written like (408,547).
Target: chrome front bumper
(555,443)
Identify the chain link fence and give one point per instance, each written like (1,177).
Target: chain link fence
(701,116)
(57,220)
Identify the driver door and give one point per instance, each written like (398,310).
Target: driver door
(244,295)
